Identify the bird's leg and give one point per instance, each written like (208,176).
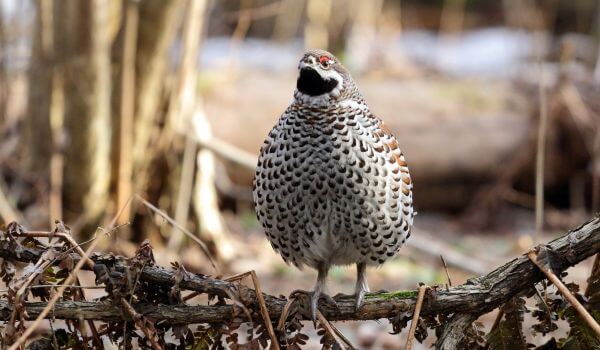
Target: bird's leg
(317,293)
(322,271)
(361,284)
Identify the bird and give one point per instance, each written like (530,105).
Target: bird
(332,186)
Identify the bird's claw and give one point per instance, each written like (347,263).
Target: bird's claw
(297,292)
(328,300)
(360,298)
(314,301)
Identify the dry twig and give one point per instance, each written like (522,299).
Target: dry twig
(143,326)
(63,235)
(342,337)
(181,108)
(446,269)
(427,243)
(54,299)
(541,148)
(262,305)
(533,256)
(229,152)
(127,112)
(595,272)
(62,232)
(181,228)
(497,319)
(284,314)
(42,264)
(415,318)
(329,329)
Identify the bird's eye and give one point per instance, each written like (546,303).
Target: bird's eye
(325,61)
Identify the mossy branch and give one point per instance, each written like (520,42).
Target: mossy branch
(476,297)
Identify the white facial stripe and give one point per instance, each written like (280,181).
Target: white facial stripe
(331,74)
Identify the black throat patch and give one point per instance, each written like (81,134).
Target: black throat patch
(312,84)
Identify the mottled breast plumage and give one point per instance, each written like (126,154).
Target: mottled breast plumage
(332,185)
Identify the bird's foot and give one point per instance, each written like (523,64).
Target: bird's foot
(362,287)
(314,296)
(359,296)
(309,293)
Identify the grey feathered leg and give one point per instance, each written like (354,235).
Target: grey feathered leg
(361,284)
(317,292)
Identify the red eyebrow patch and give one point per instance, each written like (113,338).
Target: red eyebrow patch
(324,59)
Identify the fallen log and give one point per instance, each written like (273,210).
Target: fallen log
(453,146)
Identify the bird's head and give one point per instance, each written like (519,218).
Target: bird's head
(321,75)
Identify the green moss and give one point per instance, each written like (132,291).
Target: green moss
(393,295)
(281,270)
(248,220)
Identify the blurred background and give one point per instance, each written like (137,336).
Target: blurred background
(496,105)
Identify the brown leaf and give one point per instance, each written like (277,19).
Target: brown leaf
(66,263)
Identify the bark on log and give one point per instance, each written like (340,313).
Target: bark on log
(474,298)
(454,332)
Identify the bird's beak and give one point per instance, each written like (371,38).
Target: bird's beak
(307,63)
(304,65)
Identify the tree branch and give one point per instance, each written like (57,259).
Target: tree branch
(454,331)
(474,298)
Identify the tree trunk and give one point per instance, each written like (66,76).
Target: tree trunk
(157,28)
(83,39)
(288,21)
(3,77)
(361,38)
(181,109)
(122,143)
(316,33)
(37,134)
